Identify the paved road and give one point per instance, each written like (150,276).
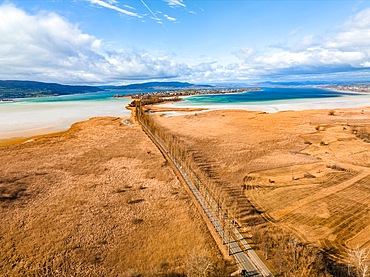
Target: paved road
(247,259)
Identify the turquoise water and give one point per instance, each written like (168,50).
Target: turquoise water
(274,99)
(96,96)
(46,114)
(267,94)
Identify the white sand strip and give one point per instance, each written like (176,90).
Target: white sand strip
(354,101)
(20,119)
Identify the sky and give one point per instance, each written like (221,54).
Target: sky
(119,42)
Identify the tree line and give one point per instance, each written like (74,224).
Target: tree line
(287,255)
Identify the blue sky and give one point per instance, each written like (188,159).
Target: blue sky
(205,41)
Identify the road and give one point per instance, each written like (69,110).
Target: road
(246,259)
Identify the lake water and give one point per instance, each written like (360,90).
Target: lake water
(32,116)
(278,99)
(48,114)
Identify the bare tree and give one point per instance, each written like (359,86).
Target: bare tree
(358,261)
(199,265)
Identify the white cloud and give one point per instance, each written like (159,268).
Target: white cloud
(343,54)
(110,5)
(356,34)
(245,53)
(365,64)
(347,49)
(360,20)
(45,47)
(169,18)
(129,7)
(295,31)
(176,3)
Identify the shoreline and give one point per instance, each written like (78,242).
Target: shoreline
(32,119)
(29,138)
(22,136)
(344,102)
(26,119)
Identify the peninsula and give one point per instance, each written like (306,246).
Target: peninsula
(358,87)
(157,97)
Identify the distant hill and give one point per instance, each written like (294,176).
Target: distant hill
(156,85)
(304,83)
(21,89)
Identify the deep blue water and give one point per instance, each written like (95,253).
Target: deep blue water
(267,94)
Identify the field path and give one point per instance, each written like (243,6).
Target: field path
(320,194)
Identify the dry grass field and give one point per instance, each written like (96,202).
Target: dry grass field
(97,200)
(307,172)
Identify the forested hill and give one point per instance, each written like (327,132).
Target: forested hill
(157,85)
(20,89)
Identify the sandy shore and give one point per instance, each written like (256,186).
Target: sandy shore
(19,135)
(28,117)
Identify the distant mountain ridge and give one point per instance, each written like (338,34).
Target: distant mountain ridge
(306,83)
(157,85)
(21,89)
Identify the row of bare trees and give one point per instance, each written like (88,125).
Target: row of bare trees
(288,256)
(216,196)
(211,190)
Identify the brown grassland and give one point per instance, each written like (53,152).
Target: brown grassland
(306,173)
(100,199)
(97,200)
